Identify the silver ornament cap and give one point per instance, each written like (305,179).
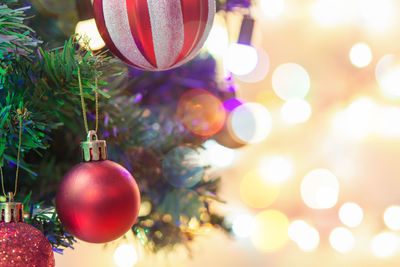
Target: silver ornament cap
(11,211)
(93,149)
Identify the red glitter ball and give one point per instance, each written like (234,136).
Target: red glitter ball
(22,245)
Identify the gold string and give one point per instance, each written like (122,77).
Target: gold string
(19,152)
(18,156)
(83,102)
(97,104)
(2,182)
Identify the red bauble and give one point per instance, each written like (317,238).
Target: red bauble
(154,34)
(22,245)
(98,201)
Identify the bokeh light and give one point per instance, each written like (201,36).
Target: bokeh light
(276,169)
(217,41)
(256,192)
(304,235)
(296,229)
(357,120)
(201,112)
(243,225)
(342,239)
(272,8)
(383,65)
(390,82)
(391,217)
(145,208)
(240,59)
(351,214)
(271,232)
(88,34)
(329,13)
(387,73)
(377,16)
(360,55)
(296,111)
(260,71)
(125,256)
(251,122)
(384,244)
(290,80)
(217,155)
(389,123)
(183,167)
(320,189)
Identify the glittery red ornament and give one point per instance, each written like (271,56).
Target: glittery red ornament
(97,201)
(22,245)
(154,35)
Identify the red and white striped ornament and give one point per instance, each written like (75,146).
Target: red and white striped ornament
(154,34)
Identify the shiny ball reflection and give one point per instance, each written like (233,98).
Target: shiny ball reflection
(183,167)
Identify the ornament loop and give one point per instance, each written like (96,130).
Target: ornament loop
(92,136)
(11,211)
(10,197)
(93,149)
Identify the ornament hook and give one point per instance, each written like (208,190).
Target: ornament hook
(11,211)
(93,149)
(10,196)
(92,136)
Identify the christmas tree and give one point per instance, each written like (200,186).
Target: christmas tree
(50,81)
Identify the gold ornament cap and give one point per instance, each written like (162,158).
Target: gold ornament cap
(11,211)
(93,149)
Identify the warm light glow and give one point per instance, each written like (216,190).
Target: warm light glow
(260,71)
(357,120)
(243,225)
(240,59)
(251,122)
(306,236)
(276,169)
(272,8)
(218,156)
(383,66)
(271,232)
(256,192)
(145,208)
(290,81)
(201,112)
(377,16)
(387,73)
(218,40)
(389,123)
(296,111)
(351,214)
(296,229)
(87,31)
(385,245)
(320,189)
(342,240)
(328,13)
(125,256)
(392,218)
(360,55)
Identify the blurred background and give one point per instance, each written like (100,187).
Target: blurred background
(309,156)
